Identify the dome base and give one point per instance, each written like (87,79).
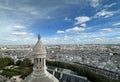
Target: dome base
(43,76)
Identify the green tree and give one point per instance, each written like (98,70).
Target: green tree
(6,62)
(18,62)
(82,71)
(26,71)
(25,63)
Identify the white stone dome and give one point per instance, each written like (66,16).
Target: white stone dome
(43,76)
(40,74)
(39,49)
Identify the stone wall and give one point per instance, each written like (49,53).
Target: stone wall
(62,77)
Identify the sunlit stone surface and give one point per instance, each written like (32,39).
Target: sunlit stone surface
(40,74)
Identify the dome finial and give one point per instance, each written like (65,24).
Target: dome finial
(39,37)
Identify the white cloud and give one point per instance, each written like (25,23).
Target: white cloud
(111,30)
(29,9)
(60,31)
(104,40)
(83,25)
(94,3)
(5,7)
(14,40)
(82,19)
(19,33)
(19,27)
(102,36)
(105,13)
(110,5)
(22,34)
(65,39)
(118,37)
(86,38)
(67,19)
(15,35)
(75,29)
(20,12)
(49,17)
(116,24)
(106,30)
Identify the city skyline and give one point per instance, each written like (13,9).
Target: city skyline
(60,22)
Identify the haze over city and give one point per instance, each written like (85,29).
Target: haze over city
(60,21)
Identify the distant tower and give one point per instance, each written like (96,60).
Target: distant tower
(40,74)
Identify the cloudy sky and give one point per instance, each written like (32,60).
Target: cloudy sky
(59,21)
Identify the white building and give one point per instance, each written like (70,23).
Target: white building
(40,74)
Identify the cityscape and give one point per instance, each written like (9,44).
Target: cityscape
(94,56)
(101,56)
(60,41)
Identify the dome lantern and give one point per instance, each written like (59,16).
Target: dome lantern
(39,49)
(40,73)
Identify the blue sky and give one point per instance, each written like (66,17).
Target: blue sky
(59,21)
